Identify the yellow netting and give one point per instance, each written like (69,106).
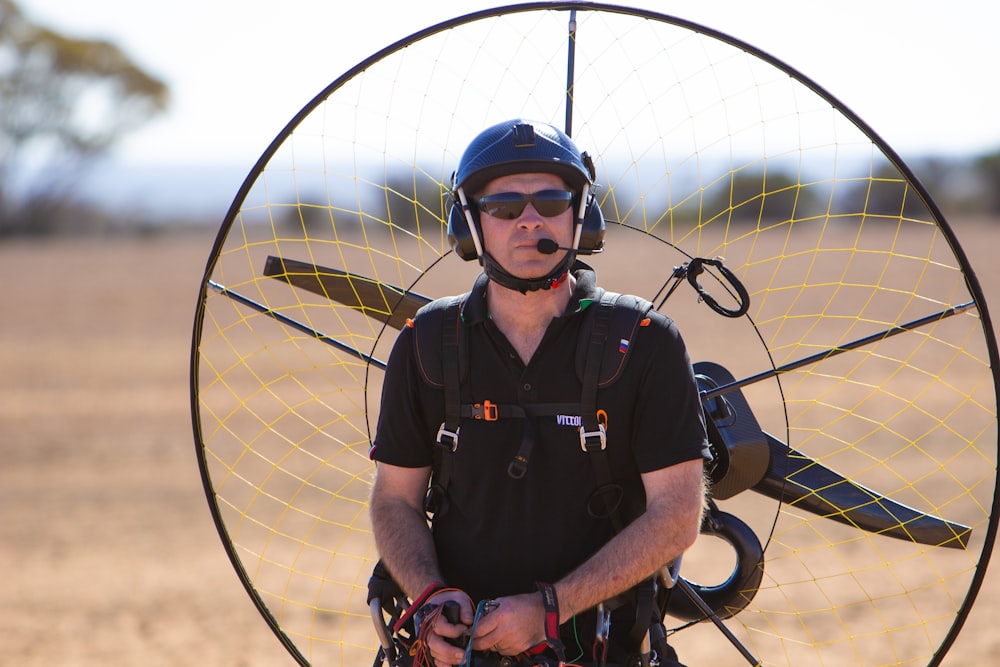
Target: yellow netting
(703,149)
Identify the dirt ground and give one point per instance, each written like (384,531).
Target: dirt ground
(107,548)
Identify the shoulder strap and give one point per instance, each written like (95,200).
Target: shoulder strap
(615,323)
(593,436)
(627,313)
(440,355)
(429,325)
(448,433)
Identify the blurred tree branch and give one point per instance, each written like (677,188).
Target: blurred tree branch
(63,101)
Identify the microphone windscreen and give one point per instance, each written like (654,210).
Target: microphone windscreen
(547,246)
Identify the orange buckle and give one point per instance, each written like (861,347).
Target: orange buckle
(487,410)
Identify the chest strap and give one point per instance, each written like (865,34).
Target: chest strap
(607,497)
(490,412)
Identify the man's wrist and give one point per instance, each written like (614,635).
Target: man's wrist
(418,602)
(427,593)
(550,610)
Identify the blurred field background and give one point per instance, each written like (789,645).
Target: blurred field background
(109,555)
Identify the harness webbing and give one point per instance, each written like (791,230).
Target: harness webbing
(609,317)
(593,436)
(448,433)
(593,439)
(612,321)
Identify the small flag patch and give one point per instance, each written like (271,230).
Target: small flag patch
(623,345)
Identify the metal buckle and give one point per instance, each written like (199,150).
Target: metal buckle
(452,437)
(600,434)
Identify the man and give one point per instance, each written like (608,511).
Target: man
(518,509)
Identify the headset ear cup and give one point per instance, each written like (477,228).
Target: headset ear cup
(459,234)
(592,235)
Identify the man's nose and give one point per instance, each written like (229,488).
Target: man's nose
(530,217)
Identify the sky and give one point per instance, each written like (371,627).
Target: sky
(921,73)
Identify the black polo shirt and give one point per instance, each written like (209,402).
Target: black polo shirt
(500,535)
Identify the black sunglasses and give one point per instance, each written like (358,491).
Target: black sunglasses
(510,205)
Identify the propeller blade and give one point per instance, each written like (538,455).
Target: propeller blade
(746,457)
(381,301)
(796,479)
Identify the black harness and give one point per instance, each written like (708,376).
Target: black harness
(602,352)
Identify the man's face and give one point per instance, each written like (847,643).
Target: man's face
(514,243)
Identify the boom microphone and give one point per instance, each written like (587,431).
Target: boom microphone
(548,247)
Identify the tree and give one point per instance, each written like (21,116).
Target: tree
(988,167)
(63,102)
(756,195)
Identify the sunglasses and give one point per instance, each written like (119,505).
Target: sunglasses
(510,205)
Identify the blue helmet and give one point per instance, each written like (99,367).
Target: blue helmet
(516,147)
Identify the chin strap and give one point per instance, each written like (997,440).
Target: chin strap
(501,277)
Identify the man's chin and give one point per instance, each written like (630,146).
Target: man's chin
(533,271)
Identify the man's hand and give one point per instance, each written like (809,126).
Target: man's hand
(444,637)
(514,625)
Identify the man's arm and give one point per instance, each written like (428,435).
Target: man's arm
(406,547)
(675,500)
(402,536)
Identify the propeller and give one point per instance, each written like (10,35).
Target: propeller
(745,457)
